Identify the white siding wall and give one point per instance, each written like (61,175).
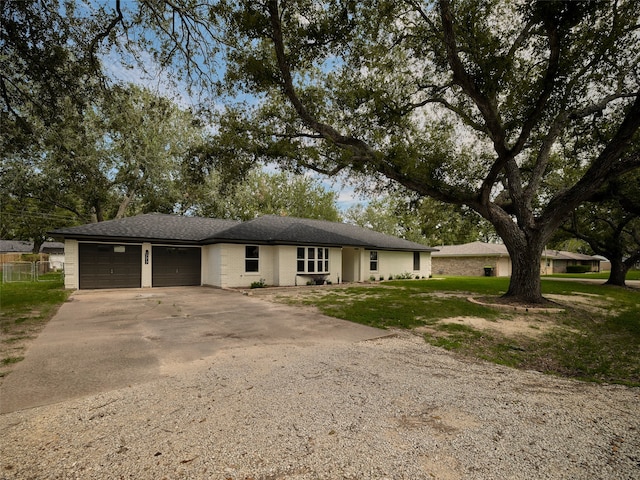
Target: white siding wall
(286,266)
(335,265)
(71,270)
(213,262)
(351,264)
(232,266)
(395,263)
(277,266)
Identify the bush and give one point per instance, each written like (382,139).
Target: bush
(578,268)
(259,284)
(404,276)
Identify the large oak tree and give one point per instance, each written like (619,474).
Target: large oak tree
(475,102)
(519,110)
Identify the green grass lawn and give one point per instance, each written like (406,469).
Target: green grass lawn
(595,338)
(25,308)
(631,275)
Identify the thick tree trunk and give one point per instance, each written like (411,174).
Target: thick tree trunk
(525,250)
(618,273)
(524,286)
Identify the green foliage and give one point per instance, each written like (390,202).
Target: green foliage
(518,112)
(25,308)
(259,284)
(263,193)
(404,276)
(610,224)
(463,102)
(126,152)
(578,268)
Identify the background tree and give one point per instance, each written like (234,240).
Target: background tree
(610,225)
(423,220)
(263,193)
(463,101)
(129,151)
(48,60)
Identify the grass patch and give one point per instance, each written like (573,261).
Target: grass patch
(597,337)
(25,308)
(10,360)
(395,306)
(631,275)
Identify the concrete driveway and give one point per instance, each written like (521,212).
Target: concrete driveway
(108,339)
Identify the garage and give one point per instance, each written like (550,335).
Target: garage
(176,266)
(109,266)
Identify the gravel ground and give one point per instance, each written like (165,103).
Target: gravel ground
(393,408)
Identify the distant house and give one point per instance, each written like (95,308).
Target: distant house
(154,250)
(13,251)
(478,259)
(55,251)
(605,263)
(562,259)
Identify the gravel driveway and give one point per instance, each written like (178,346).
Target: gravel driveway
(388,408)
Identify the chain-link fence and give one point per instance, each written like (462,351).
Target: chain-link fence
(30,272)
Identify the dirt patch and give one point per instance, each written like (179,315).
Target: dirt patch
(592,303)
(519,325)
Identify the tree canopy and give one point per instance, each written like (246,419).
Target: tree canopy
(610,224)
(264,193)
(518,110)
(422,220)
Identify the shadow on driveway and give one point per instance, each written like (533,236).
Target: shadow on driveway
(105,339)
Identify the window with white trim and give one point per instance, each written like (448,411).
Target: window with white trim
(312,260)
(251,258)
(373,261)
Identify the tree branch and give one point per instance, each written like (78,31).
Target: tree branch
(326,131)
(95,43)
(607,164)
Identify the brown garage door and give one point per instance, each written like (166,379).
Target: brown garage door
(176,266)
(110,266)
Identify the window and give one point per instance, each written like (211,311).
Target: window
(416,261)
(373,261)
(300,267)
(251,257)
(312,260)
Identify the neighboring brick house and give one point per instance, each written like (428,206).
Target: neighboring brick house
(562,259)
(170,250)
(472,259)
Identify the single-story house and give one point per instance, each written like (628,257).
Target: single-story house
(605,263)
(562,259)
(170,250)
(472,259)
(52,252)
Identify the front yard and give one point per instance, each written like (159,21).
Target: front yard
(594,334)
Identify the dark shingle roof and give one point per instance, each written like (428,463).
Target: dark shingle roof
(15,246)
(290,230)
(269,229)
(150,226)
(22,246)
